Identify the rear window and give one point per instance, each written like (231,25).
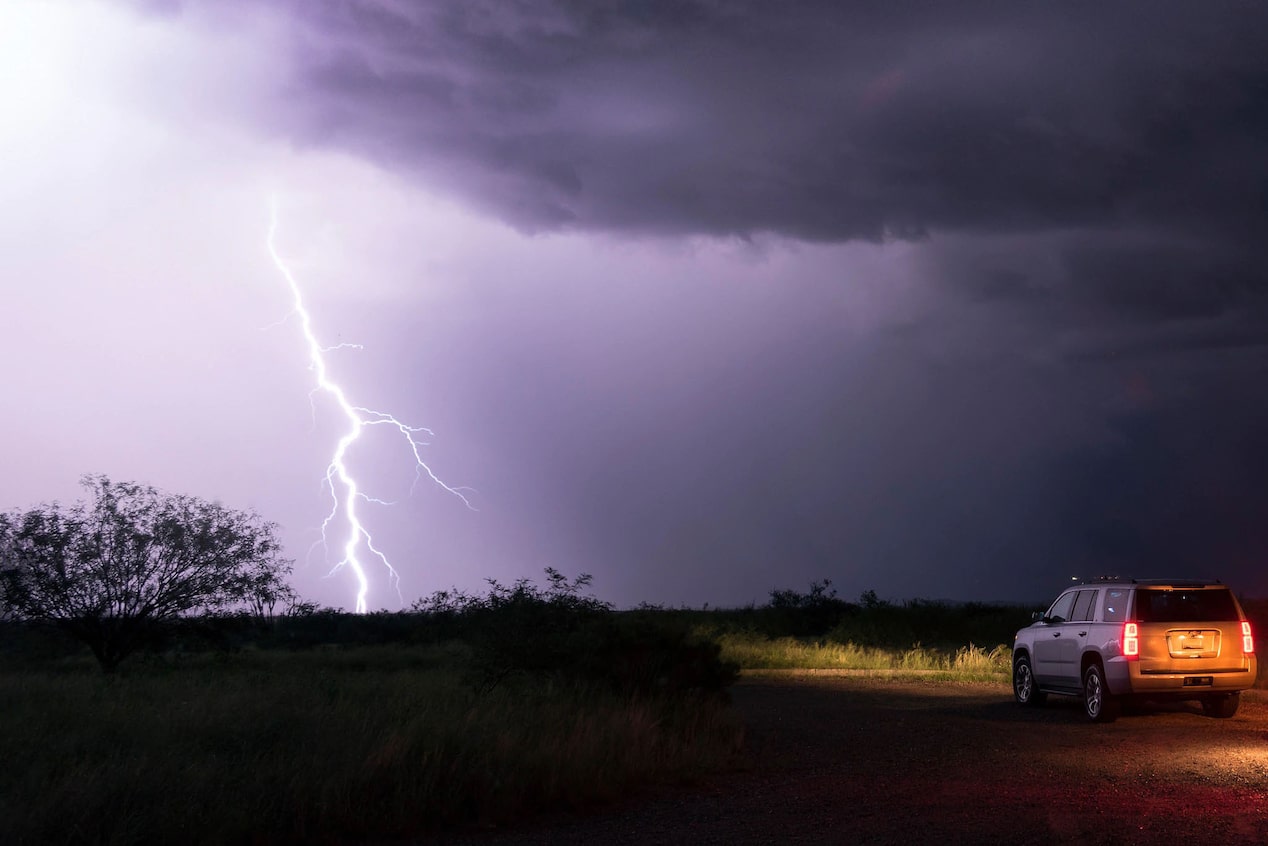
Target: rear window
(1181,606)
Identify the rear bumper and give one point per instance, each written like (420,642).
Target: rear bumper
(1129,677)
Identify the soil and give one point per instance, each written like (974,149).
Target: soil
(839,759)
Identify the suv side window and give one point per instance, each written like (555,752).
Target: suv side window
(1083,605)
(1114,609)
(1060,610)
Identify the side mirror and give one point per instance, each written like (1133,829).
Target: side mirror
(1037,616)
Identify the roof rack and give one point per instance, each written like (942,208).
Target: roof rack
(1179,582)
(1172,582)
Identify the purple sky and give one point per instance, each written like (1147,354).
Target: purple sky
(703,298)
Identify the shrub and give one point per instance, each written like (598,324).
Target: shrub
(809,614)
(556,631)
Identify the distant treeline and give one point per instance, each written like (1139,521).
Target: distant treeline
(525,626)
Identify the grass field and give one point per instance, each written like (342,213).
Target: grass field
(291,747)
(481,711)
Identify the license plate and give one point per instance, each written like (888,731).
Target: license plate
(1198,681)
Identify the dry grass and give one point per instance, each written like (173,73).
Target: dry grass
(298,747)
(968,663)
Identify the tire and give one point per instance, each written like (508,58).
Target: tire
(1098,704)
(1025,690)
(1222,705)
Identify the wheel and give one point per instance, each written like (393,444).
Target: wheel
(1098,704)
(1025,691)
(1222,705)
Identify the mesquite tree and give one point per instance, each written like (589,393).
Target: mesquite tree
(112,570)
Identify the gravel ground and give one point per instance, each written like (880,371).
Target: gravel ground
(843,759)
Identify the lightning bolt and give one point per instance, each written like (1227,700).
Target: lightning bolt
(345,491)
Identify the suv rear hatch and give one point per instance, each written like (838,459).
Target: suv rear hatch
(1190,629)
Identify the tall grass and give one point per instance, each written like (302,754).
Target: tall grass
(967,663)
(291,747)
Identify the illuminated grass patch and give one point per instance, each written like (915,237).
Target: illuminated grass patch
(968,663)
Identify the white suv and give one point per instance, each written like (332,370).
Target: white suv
(1112,639)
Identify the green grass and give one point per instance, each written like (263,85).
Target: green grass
(289,747)
(968,663)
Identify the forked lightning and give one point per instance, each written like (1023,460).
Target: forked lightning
(345,491)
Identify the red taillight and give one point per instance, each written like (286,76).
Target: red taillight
(1131,640)
(1248,642)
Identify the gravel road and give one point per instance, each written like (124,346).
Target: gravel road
(838,759)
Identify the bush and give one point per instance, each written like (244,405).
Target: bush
(651,654)
(524,630)
(809,614)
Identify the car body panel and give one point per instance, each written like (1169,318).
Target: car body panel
(1058,654)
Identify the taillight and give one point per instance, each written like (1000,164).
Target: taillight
(1248,642)
(1131,640)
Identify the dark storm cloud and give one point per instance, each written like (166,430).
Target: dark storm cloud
(1086,189)
(1091,178)
(1156,279)
(822,121)
(1129,138)
(1180,486)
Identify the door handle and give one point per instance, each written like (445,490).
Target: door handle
(1056,634)
(1082,634)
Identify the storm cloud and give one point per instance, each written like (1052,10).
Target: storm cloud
(815,120)
(1096,174)
(1127,141)
(937,299)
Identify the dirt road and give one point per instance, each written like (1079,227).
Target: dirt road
(841,760)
